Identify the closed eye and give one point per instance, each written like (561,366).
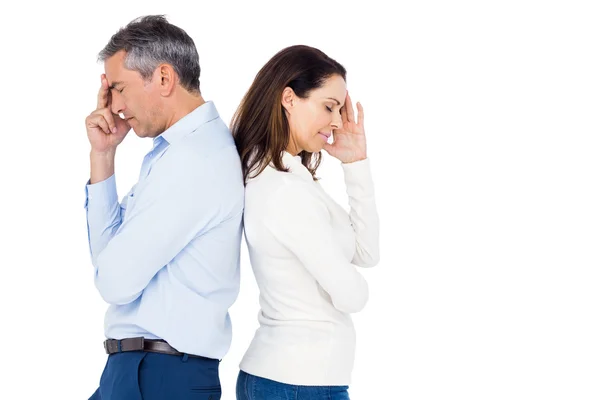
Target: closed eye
(328,108)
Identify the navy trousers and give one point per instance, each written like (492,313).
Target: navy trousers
(138,375)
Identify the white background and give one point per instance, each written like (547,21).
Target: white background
(482,121)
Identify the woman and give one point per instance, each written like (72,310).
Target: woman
(304,248)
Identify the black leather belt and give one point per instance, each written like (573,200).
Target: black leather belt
(113,346)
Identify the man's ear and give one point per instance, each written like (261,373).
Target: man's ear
(167,79)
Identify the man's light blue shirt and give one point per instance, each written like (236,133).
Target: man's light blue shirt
(166,258)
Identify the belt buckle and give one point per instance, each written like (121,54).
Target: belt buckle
(139,343)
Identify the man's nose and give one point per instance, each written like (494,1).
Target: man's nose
(117,104)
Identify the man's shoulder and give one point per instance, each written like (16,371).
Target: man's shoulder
(210,137)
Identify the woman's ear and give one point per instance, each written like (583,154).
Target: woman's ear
(287,99)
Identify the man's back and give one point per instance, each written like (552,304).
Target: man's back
(179,241)
(166,258)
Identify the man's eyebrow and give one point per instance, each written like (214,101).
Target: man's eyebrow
(114,85)
(336,100)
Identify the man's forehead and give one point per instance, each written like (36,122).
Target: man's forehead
(113,76)
(114,68)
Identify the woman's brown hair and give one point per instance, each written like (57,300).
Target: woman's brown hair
(259,126)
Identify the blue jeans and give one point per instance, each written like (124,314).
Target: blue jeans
(250,387)
(137,375)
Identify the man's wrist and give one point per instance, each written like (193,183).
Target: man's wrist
(102,165)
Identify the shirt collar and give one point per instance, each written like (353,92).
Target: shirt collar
(295,166)
(192,121)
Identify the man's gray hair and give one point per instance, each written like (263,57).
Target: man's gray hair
(150,41)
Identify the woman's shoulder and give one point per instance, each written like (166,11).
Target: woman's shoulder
(271,178)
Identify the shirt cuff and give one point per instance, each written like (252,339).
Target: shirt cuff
(102,193)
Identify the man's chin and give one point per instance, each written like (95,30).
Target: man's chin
(140,133)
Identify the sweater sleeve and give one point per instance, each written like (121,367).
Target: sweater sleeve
(301,223)
(363,212)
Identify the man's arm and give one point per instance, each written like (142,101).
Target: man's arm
(181,202)
(104,213)
(105,132)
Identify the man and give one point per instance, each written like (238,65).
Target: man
(166,258)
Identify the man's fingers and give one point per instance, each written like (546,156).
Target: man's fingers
(109,117)
(98,121)
(103,93)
